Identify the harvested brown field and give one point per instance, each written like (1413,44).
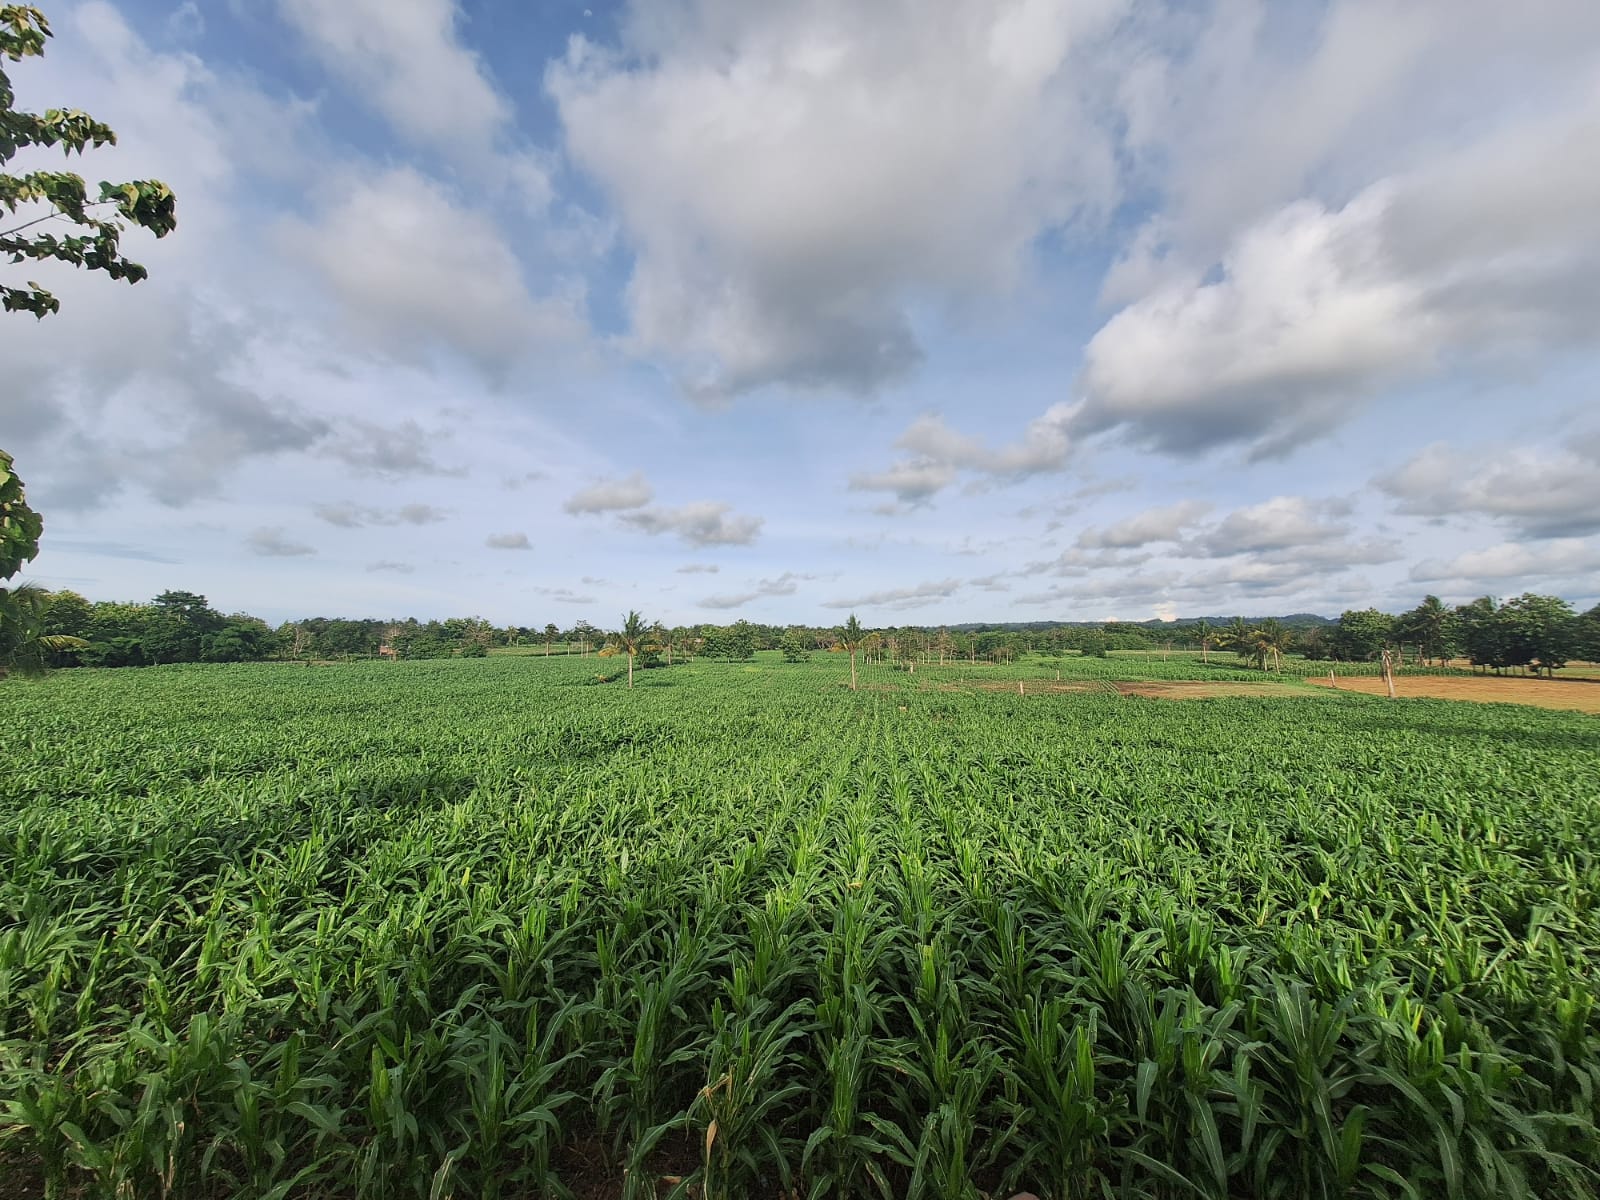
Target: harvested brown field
(1572,695)
(1160,689)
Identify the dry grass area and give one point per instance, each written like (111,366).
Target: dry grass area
(1576,669)
(1573,695)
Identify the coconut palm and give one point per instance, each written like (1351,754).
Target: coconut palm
(1266,642)
(1429,626)
(661,639)
(1279,639)
(1207,636)
(850,637)
(634,638)
(24,648)
(1235,636)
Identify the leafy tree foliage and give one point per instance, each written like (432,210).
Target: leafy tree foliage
(796,646)
(1537,632)
(1482,634)
(179,627)
(1540,632)
(1361,635)
(46,198)
(25,645)
(1094,644)
(35,204)
(732,643)
(1589,635)
(20,526)
(239,639)
(69,613)
(1313,643)
(1429,627)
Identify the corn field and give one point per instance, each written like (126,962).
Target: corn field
(494,929)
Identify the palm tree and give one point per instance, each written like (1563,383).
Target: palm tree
(851,636)
(1279,638)
(635,637)
(1207,635)
(24,648)
(1265,643)
(550,632)
(1234,636)
(1428,625)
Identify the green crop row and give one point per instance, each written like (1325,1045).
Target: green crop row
(494,928)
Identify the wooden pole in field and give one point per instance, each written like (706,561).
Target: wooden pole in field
(1388,674)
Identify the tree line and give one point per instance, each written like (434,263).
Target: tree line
(1530,632)
(1539,633)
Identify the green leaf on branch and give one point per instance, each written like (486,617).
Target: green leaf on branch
(42,197)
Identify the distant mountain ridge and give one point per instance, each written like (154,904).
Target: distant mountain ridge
(1301,620)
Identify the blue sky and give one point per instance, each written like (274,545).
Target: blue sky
(1052,309)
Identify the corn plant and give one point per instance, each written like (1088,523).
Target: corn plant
(485,928)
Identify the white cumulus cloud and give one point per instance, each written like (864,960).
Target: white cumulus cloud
(1540,492)
(612,495)
(702,523)
(810,166)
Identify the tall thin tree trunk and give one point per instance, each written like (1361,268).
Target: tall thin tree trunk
(852,670)
(630,670)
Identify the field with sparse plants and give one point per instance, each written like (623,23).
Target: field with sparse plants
(504,928)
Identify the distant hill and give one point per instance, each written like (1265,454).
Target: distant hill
(1291,619)
(1300,620)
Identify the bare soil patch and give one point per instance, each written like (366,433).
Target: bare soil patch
(583,1166)
(1031,687)
(1573,695)
(1203,689)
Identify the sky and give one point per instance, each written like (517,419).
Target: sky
(931,311)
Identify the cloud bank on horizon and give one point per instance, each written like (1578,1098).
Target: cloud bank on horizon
(939,312)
